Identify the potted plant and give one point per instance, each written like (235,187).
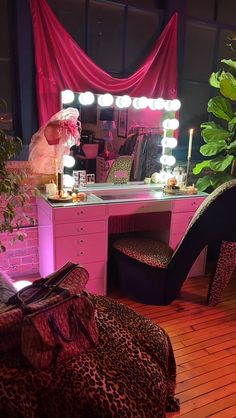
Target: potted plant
(14,194)
(219,134)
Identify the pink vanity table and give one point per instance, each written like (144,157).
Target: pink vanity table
(79,231)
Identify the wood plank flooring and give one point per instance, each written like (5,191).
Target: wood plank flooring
(204,342)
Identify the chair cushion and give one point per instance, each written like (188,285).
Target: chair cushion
(145,250)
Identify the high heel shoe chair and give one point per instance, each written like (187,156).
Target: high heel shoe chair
(151,272)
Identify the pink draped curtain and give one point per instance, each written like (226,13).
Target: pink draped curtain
(61,64)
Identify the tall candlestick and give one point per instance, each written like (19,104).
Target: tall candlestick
(190,143)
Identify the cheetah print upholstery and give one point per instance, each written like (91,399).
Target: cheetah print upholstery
(224,269)
(130,373)
(145,250)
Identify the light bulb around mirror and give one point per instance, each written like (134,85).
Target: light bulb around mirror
(143,102)
(105,100)
(68,181)
(175,105)
(136,103)
(163,159)
(68,161)
(174,124)
(170,124)
(170,160)
(169,142)
(167,105)
(67,96)
(123,101)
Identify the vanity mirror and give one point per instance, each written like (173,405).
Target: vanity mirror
(119,126)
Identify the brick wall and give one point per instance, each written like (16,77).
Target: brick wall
(21,257)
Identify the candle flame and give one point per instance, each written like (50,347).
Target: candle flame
(191,131)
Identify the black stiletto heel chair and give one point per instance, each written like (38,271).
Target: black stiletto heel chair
(151,272)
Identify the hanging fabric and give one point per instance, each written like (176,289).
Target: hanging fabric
(61,64)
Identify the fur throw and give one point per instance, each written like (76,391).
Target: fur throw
(7,288)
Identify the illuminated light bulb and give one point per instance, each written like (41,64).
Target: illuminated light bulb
(159,103)
(20,284)
(108,99)
(136,103)
(169,142)
(152,104)
(68,161)
(118,102)
(88,98)
(143,102)
(166,123)
(67,96)
(81,99)
(167,105)
(175,105)
(68,181)
(100,100)
(105,100)
(173,124)
(163,159)
(170,160)
(125,101)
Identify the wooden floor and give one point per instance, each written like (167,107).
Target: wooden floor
(204,342)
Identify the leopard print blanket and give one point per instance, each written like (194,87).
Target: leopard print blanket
(130,373)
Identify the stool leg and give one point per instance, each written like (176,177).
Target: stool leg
(225,266)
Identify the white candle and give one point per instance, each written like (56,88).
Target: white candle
(190,142)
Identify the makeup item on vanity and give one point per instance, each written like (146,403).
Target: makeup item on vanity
(51,189)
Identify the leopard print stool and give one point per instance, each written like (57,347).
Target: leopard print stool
(224,270)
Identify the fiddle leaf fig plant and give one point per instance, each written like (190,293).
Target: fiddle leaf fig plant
(219,135)
(14,194)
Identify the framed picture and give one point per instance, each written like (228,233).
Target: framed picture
(122,123)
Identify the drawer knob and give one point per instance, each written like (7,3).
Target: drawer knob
(81,228)
(81,241)
(193,203)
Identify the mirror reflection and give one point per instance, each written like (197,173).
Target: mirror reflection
(119,144)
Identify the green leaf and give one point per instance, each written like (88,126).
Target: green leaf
(212,148)
(215,134)
(203,183)
(230,63)
(231,124)
(221,108)
(232,146)
(209,125)
(219,178)
(199,167)
(214,80)
(228,86)
(221,163)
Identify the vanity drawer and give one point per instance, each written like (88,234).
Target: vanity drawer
(95,270)
(180,222)
(91,247)
(75,214)
(78,228)
(187,205)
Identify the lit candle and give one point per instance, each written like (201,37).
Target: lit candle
(190,142)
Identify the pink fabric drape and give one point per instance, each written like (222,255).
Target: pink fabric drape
(61,64)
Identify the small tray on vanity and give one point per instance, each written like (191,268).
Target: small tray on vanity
(186,191)
(58,199)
